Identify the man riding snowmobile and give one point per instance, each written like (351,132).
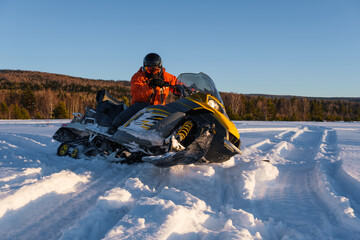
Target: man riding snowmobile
(149,86)
(192,129)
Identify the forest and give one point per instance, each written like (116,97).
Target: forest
(40,95)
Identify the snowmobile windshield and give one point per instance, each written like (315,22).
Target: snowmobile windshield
(198,82)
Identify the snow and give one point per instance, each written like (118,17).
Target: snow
(294,180)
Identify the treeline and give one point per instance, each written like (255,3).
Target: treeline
(290,108)
(28,94)
(37,95)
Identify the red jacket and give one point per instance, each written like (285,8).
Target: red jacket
(142,92)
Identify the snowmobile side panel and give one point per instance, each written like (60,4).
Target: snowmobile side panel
(189,103)
(127,137)
(165,126)
(177,106)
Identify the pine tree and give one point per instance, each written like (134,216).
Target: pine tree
(270,110)
(38,116)
(316,110)
(28,99)
(60,111)
(4,110)
(20,112)
(231,114)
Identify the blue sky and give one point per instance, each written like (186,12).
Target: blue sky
(282,47)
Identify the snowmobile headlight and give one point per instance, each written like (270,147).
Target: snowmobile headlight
(214,104)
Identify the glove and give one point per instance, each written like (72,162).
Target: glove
(156,82)
(176,90)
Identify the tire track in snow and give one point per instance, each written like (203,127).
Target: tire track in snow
(146,181)
(336,190)
(23,140)
(273,148)
(160,202)
(26,150)
(252,170)
(58,211)
(297,190)
(109,209)
(20,158)
(41,156)
(294,192)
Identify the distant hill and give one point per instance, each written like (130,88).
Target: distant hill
(31,94)
(356,99)
(40,80)
(290,108)
(34,94)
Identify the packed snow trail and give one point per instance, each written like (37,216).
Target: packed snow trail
(313,210)
(295,190)
(294,180)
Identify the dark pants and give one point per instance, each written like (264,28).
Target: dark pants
(125,115)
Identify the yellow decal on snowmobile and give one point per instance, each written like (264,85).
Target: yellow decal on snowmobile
(157,113)
(158,109)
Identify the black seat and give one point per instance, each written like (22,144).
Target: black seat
(107,108)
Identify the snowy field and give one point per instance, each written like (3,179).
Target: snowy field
(309,190)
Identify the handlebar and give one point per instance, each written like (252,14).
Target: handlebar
(181,89)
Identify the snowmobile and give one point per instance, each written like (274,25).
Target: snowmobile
(193,129)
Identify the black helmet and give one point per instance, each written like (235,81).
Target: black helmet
(152,60)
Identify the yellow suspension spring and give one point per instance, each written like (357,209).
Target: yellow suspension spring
(184,130)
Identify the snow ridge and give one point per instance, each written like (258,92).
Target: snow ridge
(61,183)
